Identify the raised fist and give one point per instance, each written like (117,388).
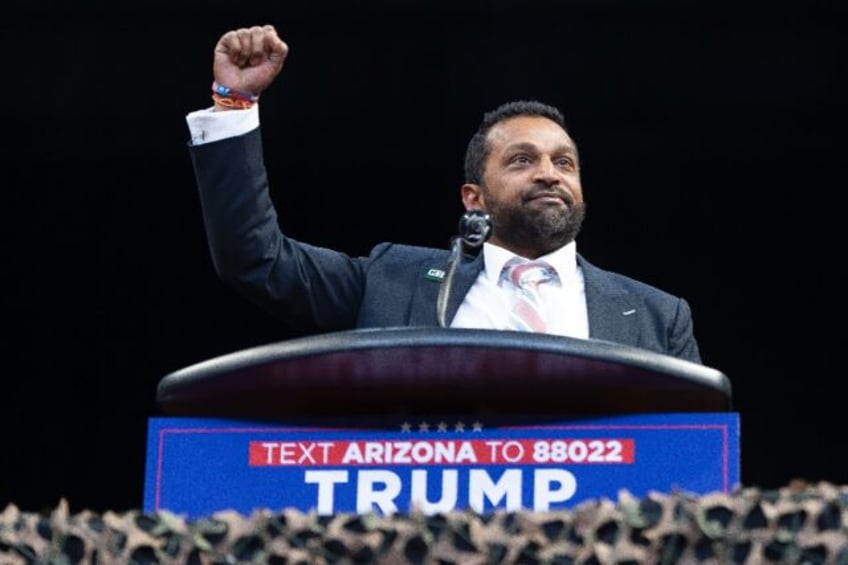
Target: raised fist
(249,59)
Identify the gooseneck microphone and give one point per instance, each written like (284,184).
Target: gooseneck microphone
(475,227)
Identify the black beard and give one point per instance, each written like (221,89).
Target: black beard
(544,229)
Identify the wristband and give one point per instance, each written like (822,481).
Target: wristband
(227,92)
(232,102)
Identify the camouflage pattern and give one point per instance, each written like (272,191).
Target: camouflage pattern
(800,523)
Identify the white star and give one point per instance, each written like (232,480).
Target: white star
(460,427)
(405,427)
(443,427)
(423,427)
(477,426)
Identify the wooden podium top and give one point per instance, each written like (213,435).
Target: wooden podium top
(441,371)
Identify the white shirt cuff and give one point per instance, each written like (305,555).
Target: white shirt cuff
(207,125)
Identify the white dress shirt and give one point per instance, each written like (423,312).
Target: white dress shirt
(490,299)
(206,125)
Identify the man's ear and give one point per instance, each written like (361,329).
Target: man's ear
(472,197)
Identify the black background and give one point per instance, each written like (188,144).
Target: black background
(713,155)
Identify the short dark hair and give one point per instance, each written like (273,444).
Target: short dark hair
(478,148)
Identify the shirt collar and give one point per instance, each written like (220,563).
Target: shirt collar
(564,260)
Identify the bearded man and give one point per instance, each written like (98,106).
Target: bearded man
(522,171)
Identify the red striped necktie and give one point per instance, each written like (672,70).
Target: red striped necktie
(526,276)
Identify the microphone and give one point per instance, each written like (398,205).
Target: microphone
(475,227)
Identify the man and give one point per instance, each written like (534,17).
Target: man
(521,168)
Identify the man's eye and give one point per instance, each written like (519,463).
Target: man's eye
(565,163)
(521,159)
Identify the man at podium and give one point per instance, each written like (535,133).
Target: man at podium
(522,176)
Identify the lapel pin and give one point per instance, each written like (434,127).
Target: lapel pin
(435,275)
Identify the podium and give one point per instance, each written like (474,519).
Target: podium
(396,419)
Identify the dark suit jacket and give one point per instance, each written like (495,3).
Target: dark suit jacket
(321,290)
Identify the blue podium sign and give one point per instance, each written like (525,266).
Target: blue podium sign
(197,466)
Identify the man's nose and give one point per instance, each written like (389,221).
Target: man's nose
(546,172)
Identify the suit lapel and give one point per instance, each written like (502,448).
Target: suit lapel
(613,313)
(423,309)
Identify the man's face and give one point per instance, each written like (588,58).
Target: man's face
(531,186)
